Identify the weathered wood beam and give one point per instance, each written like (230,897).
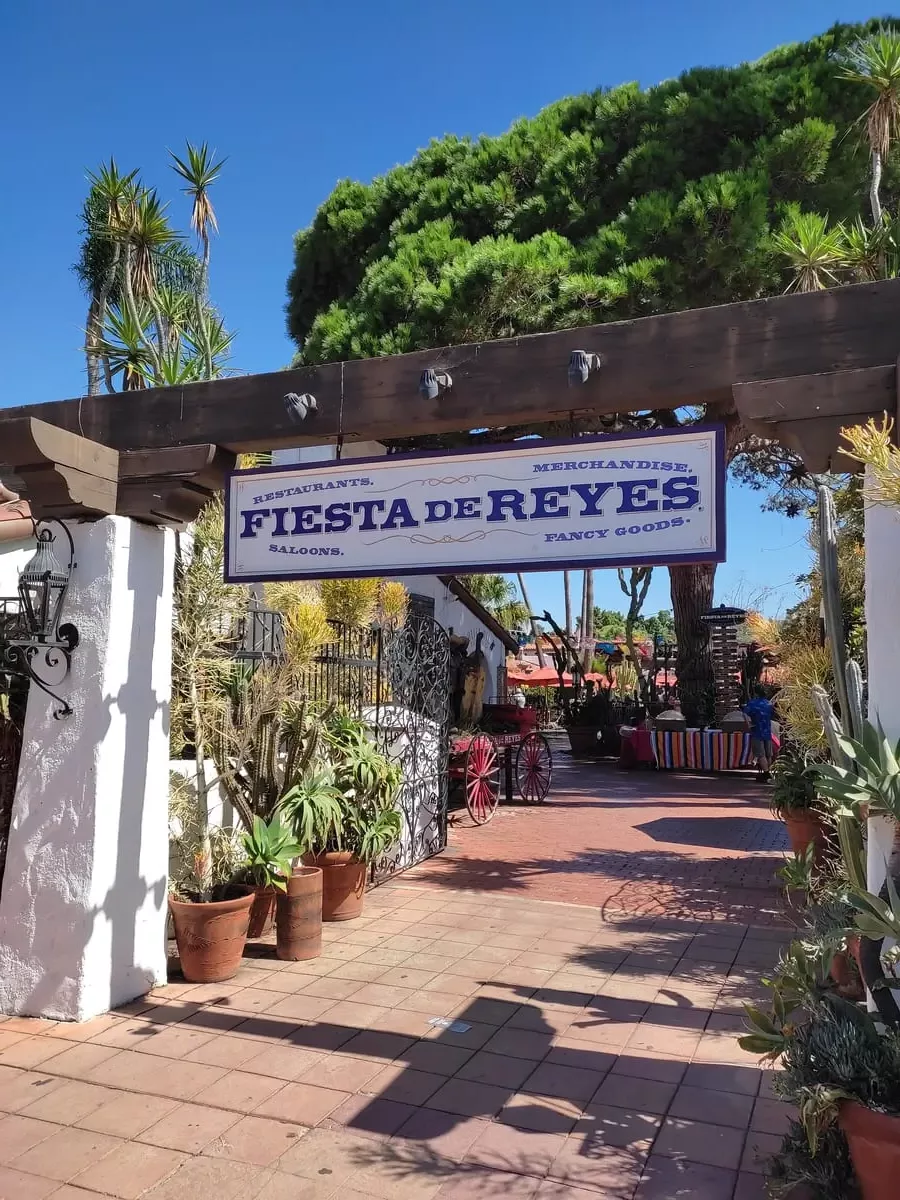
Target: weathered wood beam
(808,412)
(658,362)
(169,487)
(60,473)
(829,394)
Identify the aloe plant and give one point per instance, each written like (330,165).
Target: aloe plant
(867,774)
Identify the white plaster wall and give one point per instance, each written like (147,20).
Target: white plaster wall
(13,557)
(83,903)
(450,612)
(883,655)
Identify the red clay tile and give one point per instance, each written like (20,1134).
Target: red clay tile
(302,1103)
(499,1069)
(16,1185)
(444,1135)
(772,1116)
(609,1171)
(127,1114)
(720,1077)
(700,1142)
(544,1114)
(130,1170)
(258,1140)
(468,1099)
(717,1108)
(670,1178)
(642,1095)
(485,1184)
(758,1150)
(529,1152)
(189,1128)
(18,1134)
(370,1116)
(65,1154)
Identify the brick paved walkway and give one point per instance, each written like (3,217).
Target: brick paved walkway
(596,1059)
(639,842)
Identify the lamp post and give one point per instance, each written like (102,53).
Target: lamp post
(41,647)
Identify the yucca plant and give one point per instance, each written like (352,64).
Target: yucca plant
(814,250)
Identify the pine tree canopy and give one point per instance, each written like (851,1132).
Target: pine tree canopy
(609,205)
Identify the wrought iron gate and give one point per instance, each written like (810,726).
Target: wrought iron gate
(398,680)
(413,724)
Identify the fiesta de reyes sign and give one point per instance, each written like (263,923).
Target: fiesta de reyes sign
(655,498)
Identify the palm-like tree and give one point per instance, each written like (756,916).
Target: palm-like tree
(814,250)
(124,345)
(109,199)
(874,62)
(149,321)
(199,170)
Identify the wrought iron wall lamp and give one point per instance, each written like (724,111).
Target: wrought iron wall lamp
(37,645)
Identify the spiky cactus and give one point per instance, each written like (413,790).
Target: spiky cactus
(832,607)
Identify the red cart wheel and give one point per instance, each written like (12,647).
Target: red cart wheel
(534,768)
(482,778)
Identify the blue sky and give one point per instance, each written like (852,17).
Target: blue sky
(299,95)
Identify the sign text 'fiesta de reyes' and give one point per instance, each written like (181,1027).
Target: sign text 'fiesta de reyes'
(531,505)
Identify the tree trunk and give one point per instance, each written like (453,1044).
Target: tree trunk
(588,659)
(534,628)
(92,337)
(875,187)
(692,594)
(567,586)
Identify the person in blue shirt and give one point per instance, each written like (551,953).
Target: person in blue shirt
(759,712)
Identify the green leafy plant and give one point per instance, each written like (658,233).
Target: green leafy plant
(368,782)
(867,776)
(793,777)
(271,849)
(313,807)
(828,1174)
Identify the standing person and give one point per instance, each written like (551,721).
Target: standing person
(759,717)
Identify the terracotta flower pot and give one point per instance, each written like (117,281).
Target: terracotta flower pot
(343,884)
(842,972)
(262,914)
(805,826)
(211,936)
(298,919)
(874,1141)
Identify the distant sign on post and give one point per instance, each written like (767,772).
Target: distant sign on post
(533,505)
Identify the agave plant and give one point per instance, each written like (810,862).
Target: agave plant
(271,849)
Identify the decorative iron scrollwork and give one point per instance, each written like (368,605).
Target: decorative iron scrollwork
(36,645)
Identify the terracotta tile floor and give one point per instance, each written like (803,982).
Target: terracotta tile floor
(595,1058)
(657,843)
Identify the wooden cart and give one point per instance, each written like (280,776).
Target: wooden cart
(508,742)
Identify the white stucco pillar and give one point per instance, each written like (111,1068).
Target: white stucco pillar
(83,901)
(883,655)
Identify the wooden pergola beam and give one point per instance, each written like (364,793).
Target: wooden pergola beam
(60,473)
(808,412)
(660,362)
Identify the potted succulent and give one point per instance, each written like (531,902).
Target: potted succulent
(271,848)
(588,724)
(343,813)
(795,802)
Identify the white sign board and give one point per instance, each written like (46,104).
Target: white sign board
(532,505)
